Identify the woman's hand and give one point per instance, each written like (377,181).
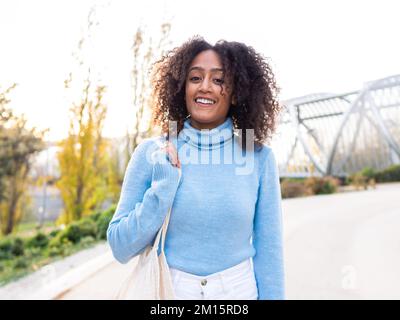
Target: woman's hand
(170,150)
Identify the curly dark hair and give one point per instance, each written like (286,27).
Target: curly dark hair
(254,87)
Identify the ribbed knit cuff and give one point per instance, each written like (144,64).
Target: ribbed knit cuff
(163,169)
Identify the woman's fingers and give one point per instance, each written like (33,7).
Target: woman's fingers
(174,155)
(170,149)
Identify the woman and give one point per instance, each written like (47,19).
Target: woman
(224,238)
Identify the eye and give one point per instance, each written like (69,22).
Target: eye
(194,78)
(219,81)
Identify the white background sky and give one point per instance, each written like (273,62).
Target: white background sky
(313,46)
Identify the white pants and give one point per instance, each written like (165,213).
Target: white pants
(235,283)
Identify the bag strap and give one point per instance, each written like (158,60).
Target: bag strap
(162,233)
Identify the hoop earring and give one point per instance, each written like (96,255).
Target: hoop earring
(233,101)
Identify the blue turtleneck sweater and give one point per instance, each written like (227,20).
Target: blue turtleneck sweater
(226,206)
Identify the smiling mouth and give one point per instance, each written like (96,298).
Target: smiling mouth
(204,102)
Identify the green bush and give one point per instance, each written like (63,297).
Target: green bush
(330,185)
(87,241)
(293,189)
(59,246)
(368,173)
(40,240)
(87,228)
(59,239)
(75,231)
(11,247)
(368,176)
(21,263)
(33,252)
(6,246)
(54,233)
(325,185)
(358,180)
(363,178)
(390,174)
(20,254)
(72,233)
(55,242)
(18,247)
(104,221)
(95,216)
(84,232)
(55,250)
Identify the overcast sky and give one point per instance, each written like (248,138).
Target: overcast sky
(313,46)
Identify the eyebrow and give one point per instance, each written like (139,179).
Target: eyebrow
(202,69)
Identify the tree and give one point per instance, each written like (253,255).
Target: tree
(82,157)
(18,144)
(145,52)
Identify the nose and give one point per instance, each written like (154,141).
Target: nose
(205,85)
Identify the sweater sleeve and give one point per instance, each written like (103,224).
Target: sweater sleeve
(268,234)
(148,191)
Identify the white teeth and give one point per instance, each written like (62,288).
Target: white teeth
(205,101)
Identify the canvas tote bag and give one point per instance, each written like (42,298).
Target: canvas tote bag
(150,279)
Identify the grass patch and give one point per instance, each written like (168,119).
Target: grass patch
(19,267)
(29,248)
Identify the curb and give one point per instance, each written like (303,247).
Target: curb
(53,280)
(72,278)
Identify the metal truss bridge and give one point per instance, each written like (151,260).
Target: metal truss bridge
(339,134)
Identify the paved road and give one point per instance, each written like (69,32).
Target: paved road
(344,246)
(341,246)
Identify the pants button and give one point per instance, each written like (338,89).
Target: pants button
(203,282)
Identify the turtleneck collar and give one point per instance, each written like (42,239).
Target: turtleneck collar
(207,139)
